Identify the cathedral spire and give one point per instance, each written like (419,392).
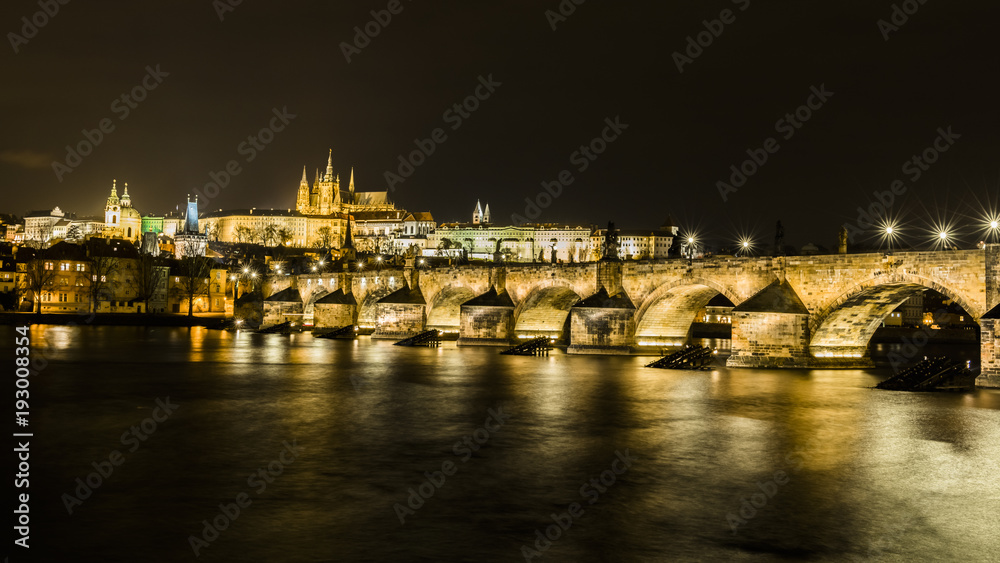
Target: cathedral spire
(304,179)
(329,167)
(126,199)
(350,186)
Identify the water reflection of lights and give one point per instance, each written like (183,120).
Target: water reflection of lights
(838,355)
(55,337)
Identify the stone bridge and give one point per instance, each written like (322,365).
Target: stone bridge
(803,311)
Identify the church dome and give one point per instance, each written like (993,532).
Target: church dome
(130,213)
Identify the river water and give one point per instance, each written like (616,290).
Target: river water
(722,465)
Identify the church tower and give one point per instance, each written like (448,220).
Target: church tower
(477,214)
(347,249)
(126,200)
(486,215)
(302,201)
(112,209)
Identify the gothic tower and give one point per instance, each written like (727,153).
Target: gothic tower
(191,216)
(314,195)
(350,188)
(326,188)
(302,201)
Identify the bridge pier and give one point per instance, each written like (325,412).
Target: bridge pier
(771,330)
(400,314)
(284,306)
(487,320)
(602,324)
(989,338)
(335,310)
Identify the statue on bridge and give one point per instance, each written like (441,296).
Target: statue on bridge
(611,244)
(499,253)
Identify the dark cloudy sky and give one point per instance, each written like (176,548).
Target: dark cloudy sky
(557,87)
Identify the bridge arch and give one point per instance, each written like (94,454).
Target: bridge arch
(846,326)
(444,308)
(666,315)
(544,311)
(367,314)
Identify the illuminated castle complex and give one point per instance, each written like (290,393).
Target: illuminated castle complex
(325,197)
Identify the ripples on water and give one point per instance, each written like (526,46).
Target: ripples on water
(871,475)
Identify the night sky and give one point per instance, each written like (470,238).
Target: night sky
(557,87)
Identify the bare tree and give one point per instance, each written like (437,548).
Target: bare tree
(258,235)
(326,238)
(212,231)
(37,279)
(284,235)
(243,234)
(74,233)
(269,233)
(101,270)
(195,271)
(148,278)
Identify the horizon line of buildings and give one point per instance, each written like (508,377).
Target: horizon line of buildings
(322,214)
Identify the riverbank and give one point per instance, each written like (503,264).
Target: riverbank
(112,319)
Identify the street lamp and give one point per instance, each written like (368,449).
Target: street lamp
(889,233)
(690,248)
(746,247)
(943,239)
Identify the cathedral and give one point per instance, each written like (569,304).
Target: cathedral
(121,220)
(325,197)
